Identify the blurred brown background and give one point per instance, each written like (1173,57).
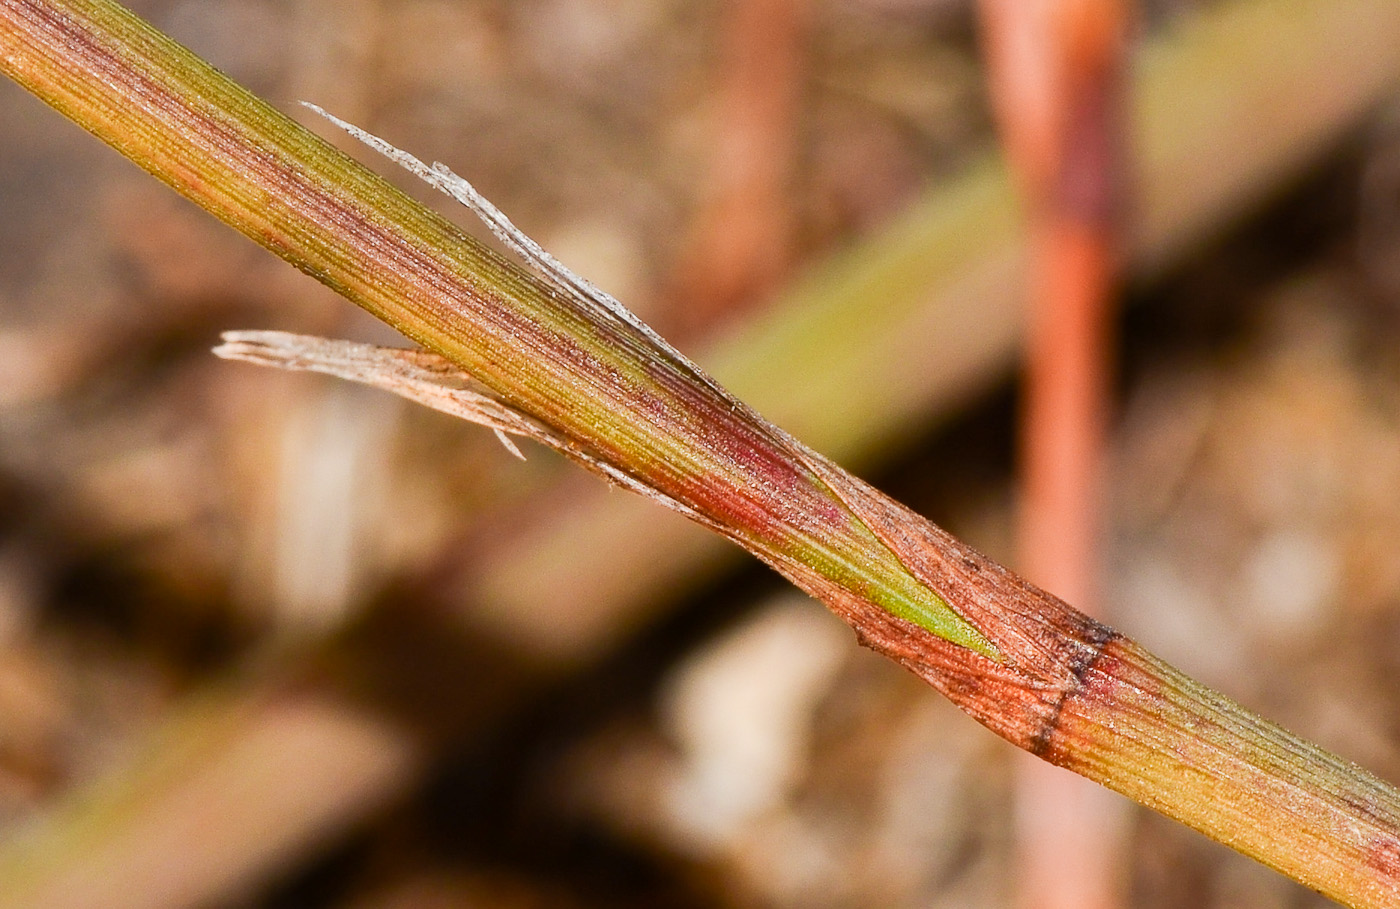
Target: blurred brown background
(268,640)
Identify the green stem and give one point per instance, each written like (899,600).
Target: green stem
(632,403)
(1056,683)
(1173,744)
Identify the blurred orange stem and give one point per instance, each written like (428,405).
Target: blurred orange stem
(1056,74)
(742,240)
(1056,70)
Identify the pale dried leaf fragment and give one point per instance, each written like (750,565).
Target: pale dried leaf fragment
(536,257)
(427,379)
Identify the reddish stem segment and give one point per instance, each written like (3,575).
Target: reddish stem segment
(1084,697)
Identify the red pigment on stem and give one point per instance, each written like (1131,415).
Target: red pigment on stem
(1383,854)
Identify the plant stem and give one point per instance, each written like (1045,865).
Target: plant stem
(1169,742)
(633,401)
(1031,668)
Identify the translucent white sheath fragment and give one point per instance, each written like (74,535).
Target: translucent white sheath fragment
(427,379)
(537,258)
